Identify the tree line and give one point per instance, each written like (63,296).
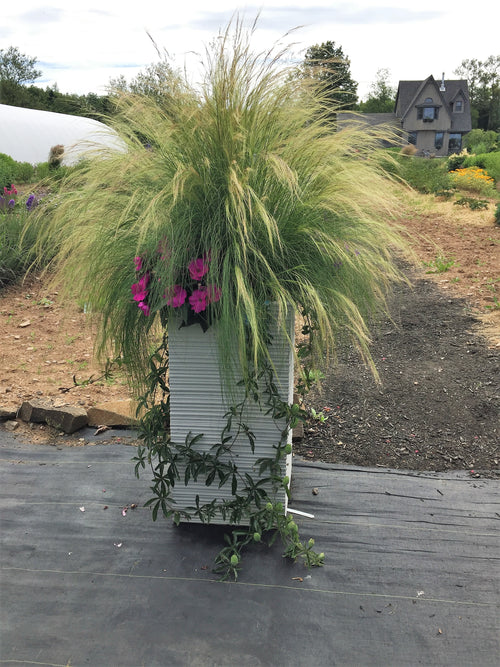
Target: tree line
(325,62)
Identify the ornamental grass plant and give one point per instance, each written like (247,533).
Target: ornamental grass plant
(246,179)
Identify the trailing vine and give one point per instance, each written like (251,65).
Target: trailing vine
(252,501)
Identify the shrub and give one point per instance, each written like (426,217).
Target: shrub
(473,179)
(456,160)
(24,172)
(426,176)
(481,141)
(497,214)
(16,246)
(7,171)
(488,161)
(409,149)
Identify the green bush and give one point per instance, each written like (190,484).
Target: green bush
(25,172)
(15,246)
(456,160)
(425,175)
(481,141)
(488,161)
(7,171)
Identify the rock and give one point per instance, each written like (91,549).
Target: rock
(298,432)
(113,413)
(11,425)
(6,414)
(67,418)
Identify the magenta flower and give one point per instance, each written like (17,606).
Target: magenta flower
(198,300)
(198,268)
(139,288)
(144,307)
(178,297)
(138,263)
(213,293)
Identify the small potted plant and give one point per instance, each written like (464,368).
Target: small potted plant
(234,209)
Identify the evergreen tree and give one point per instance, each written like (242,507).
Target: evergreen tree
(328,64)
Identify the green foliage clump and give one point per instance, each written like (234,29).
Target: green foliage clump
(488,161)
(7,171)
(456,160)
(24,172)
(16,247)
(249,172)
(425,175)
(481,141)
(473,203)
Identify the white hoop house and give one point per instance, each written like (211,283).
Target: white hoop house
(27,135)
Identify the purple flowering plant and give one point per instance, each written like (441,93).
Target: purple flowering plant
(9,200)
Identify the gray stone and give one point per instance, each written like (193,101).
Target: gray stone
(113,413)
(11,425)
(6,413)
(67,418)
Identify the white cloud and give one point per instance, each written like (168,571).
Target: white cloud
(80,46)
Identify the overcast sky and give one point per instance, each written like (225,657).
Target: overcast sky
(81,44)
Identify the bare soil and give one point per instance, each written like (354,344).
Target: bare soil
(437,407)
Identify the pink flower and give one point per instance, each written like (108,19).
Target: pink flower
(138,263)
(198,299)
(139,288)
(145,308)
(213,293)
(178,297)
(198,268)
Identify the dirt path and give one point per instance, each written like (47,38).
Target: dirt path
(438,404)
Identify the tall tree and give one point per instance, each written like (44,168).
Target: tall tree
(16,67)
(483,78)
(328,64)
(382,95)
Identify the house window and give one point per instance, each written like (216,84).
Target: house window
(438,140)
(455,143)
(458,107)
(427,114)
(412,138)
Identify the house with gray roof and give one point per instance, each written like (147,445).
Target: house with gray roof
(433,116)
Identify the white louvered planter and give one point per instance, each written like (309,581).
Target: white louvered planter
(197,405)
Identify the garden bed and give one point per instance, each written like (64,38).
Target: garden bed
(436,409)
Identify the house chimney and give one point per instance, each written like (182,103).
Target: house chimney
(442,87)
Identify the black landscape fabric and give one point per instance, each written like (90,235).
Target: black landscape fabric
(410,577)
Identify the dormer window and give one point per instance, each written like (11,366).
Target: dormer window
(458,107)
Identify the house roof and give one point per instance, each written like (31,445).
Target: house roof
(408,94)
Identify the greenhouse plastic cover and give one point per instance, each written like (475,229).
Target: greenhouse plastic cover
(27,135)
